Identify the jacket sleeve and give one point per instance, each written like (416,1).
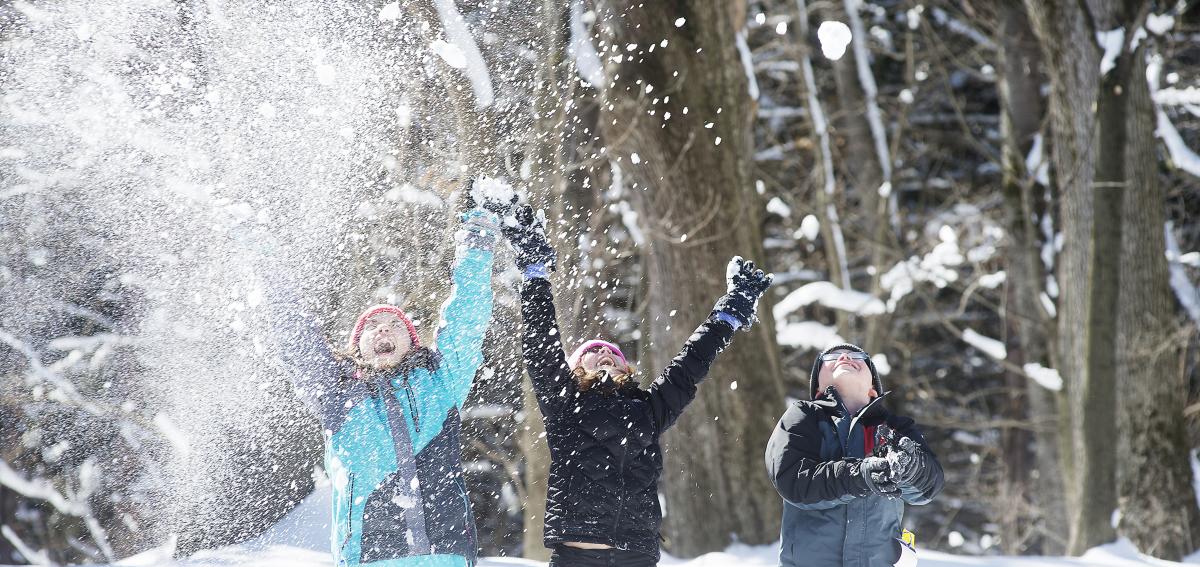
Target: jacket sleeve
(312,365)
(799,474)
(463,323)
(543,349)
(931,479)
(675,387)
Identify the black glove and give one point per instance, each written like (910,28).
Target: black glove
(526,233)
(908,460)
(877,478)
(744,284)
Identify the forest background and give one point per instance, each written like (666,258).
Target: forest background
(998,200)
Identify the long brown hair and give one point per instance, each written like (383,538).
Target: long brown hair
(585,380)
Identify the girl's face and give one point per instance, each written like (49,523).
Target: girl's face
(384,340)
(601,357)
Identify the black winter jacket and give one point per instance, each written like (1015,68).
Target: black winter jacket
(830,517)
(605,458)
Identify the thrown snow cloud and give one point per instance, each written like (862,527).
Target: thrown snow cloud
(834,37)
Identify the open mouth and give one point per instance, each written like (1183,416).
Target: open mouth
(385,347)
(849,365)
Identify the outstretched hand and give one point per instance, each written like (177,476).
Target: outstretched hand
(526,232)
(745,284)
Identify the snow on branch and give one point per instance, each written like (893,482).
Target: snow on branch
(1047,378)
(461,52)
(820,126)
(806,334)
(38,489)
(870,91)
(587,60)
(987,345)
(1187,292)
(34,557)
(1182,156)
(962,28)
(747,64)
(831,296)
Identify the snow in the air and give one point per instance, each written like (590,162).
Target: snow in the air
(834,37)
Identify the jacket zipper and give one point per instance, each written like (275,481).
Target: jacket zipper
(621,489)
(412,405)
(349,513)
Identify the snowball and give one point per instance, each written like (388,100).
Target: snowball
(810,227)
(680,21)
(834,37)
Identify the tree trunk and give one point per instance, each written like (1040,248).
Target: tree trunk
(1158,503)
(1026,496)
(1085,326)
(693,188)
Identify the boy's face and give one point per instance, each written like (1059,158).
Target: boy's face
(384,340)
(851,377)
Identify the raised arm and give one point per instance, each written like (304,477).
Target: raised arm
(543,349)
(313,367)
(675,388)
(465,315)
(541,342)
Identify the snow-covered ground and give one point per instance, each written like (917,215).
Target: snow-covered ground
(300,540)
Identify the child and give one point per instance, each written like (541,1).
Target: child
(389,408)
(603,430)
(845,467)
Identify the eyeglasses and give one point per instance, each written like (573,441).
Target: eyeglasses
(853,355)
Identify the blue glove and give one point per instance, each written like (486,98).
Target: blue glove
(744,284)
(480,229)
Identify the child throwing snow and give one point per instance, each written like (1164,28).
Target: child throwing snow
(603,430)
(389,408)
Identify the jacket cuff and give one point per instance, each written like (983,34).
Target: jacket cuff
(535,271)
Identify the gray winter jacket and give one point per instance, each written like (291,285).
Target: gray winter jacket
(830,517)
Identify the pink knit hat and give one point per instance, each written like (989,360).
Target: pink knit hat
(573,360)
(382,308)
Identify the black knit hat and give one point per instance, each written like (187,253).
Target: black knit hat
(813,381)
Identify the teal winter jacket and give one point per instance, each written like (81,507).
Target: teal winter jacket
(392,446)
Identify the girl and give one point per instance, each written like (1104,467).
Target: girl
(603,430)
(389,409)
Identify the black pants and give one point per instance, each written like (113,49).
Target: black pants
(566,556)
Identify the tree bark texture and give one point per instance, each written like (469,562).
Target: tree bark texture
(1032,502)
(1158,505)
(692,185)
(1084,326)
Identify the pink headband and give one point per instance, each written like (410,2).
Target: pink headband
(573,360)
(383,308)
